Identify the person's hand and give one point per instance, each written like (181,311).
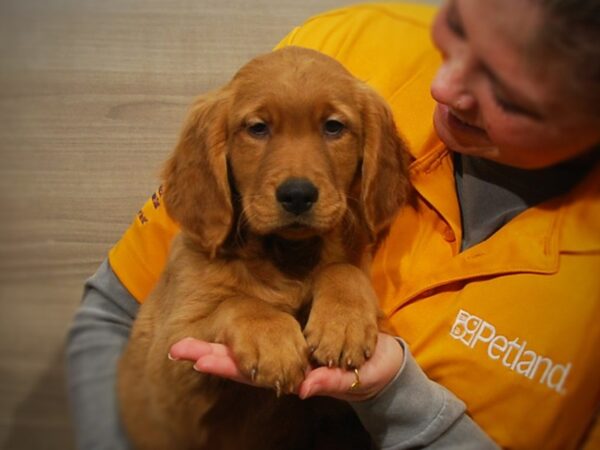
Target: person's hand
(374,375)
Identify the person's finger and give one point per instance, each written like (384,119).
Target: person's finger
(340,384)
(221,366)
(332,382)
(208,357)
(192,349)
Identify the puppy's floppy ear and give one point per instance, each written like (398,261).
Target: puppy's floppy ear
(384,184)
(196,188)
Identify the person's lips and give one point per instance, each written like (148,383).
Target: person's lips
(456,122)
(456,132)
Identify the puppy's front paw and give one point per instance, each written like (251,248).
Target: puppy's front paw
(344,340)
(271,351)
(342,325)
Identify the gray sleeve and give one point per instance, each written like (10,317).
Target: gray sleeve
(98,334)
(415,412)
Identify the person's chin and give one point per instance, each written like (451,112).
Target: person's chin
(461,137)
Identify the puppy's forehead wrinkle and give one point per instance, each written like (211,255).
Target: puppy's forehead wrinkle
(263,96)
(295,75)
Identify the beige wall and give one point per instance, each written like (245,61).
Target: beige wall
(92,95)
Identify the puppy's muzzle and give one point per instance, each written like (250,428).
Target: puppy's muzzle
(297,195)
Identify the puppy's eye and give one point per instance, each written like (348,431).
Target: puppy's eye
(258,129)
(333,128)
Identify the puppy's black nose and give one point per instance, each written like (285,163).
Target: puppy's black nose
(297,195)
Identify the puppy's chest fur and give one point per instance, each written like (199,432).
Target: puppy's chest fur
(269,268)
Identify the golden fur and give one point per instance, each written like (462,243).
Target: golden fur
(282,288)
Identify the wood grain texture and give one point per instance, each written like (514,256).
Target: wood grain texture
(92,96)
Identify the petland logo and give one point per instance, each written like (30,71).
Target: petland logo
(473,331)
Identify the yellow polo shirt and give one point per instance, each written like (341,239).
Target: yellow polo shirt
(509,325)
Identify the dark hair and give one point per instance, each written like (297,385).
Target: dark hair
(570,32)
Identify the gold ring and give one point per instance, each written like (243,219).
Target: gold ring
(354,386)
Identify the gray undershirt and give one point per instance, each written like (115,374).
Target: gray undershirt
(491,194)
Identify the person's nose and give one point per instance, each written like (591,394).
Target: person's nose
(451,85)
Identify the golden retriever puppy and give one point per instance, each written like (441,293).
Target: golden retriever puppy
(282,183)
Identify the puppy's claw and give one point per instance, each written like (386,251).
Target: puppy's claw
(367,353)
(349,363)
(253,373)
(330,363)
(278,388)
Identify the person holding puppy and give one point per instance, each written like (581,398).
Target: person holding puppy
(489,274)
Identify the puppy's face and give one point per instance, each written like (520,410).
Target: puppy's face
(295,139)
(300,140)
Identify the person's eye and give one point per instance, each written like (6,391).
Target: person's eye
(510,107)
(454,22)
(258,129)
